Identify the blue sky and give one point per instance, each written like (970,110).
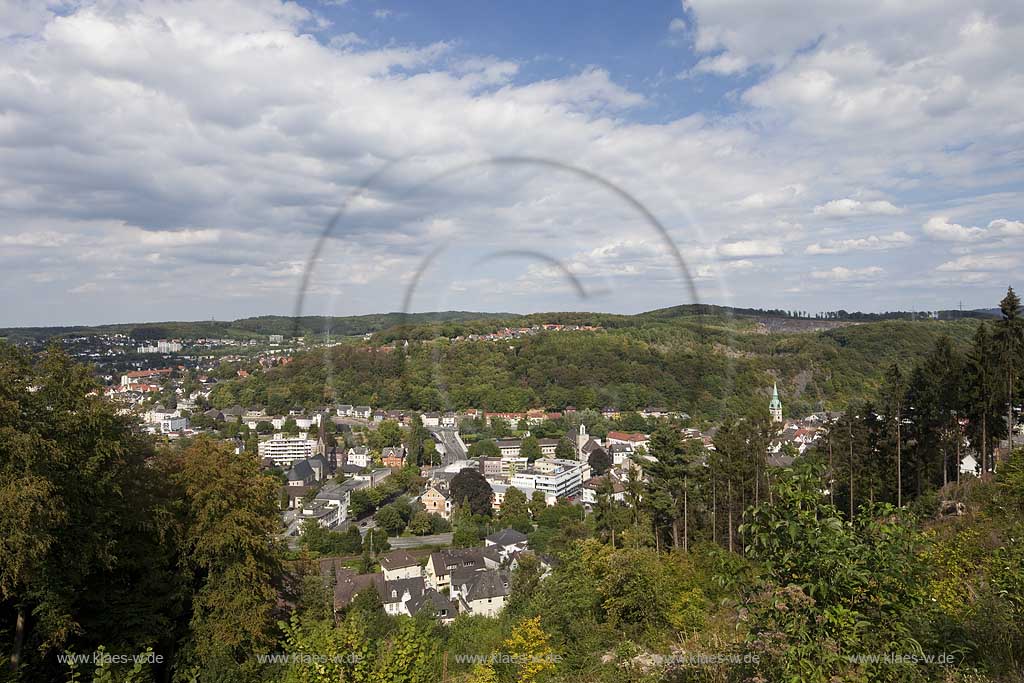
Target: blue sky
(176,159)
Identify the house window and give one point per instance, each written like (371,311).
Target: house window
(394,594)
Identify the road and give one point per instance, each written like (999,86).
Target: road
(417,541)
(448,437)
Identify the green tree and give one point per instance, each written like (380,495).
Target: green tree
(515,510)
(421,523)
(470,487)
(87,548)
(565,450)
(389,519)
(290,427)
(1010,341)
(833,587)
(229,512)
(982,394)
(600,461)
(484,448)
(530,448)
(388,433)
(529,646)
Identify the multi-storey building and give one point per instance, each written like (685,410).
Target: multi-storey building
(284,451)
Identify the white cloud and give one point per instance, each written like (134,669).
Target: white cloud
(939,227)
(223,136)
(869,243)
(677,25)
(35,239)
(980,263)
(844,208)
(843,274)
(772,198)
(749,248)
(1008,228)
(722,65)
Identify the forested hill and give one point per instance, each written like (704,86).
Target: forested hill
(247,328)
(706,365)
(454,323)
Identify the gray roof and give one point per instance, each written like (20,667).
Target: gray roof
(487,584)
(441,605)
(507,537)
(397,560)
(301,470)
(415,586)
(472,558)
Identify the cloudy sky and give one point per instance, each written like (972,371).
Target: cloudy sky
(174,160)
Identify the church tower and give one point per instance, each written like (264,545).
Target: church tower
(775,406)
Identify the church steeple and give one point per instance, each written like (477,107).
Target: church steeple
(775,406)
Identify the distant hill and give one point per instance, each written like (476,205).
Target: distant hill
(453,323)
(246,328)
(706,365)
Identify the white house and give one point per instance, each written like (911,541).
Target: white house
(400,565)
(359,455)
(480,593)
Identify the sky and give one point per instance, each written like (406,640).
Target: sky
(175,160)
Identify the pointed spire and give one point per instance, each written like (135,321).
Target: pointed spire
(775,405)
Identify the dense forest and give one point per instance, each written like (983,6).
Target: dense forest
(708,366)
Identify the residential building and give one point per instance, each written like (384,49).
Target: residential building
(437,501)
(592,486)
(284,451)
(507,542)
(481,593)
(441,564)
(393,457)
(634,439)
(359,455)
(399,564)
(326,515)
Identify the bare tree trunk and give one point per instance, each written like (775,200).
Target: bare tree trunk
(945,467)
(984,441)
(19,639)
(899,459)
(686,519)
(831,475)
(714,510)
(675,533)
(851,469)
(1009,408)
(957,451)
(757,483)
(730,517)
